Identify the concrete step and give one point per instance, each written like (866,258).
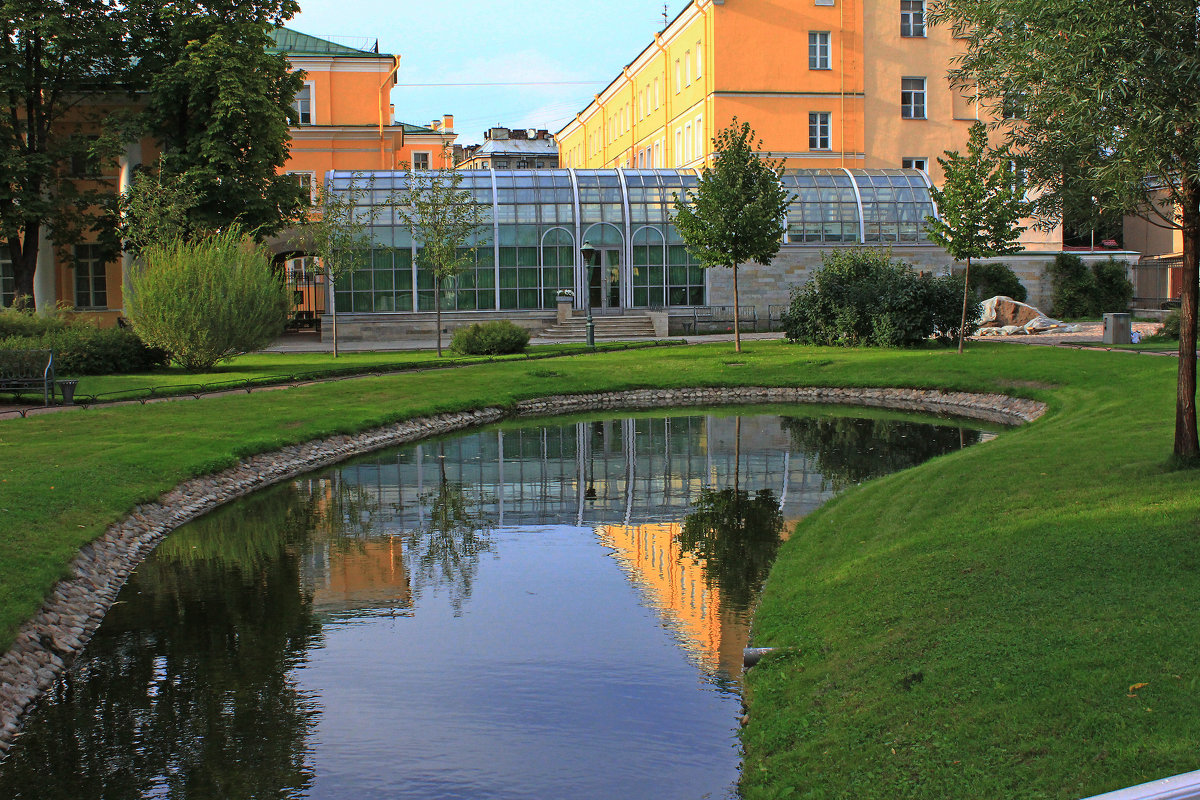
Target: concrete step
(625,327)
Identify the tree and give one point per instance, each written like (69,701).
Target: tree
(980,204)
(1108,110)
(221,112)
(735,214)
(56,56)
(444,218)
(336,231)
(156,209)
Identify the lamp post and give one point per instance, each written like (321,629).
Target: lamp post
(587,251)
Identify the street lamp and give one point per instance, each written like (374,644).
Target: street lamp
(587,251)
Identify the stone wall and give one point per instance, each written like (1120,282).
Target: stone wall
(48,643)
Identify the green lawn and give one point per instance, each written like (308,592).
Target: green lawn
(967,628)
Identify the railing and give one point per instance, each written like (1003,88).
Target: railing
(775,317)
(719,319)
(1156,282)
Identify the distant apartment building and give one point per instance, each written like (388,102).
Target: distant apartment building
(506,148)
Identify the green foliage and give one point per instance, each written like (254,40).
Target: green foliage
(861,297)
(1170,326)
(490,338)
(1077,291)
(207,300)
(83,349)
(156,209)
(980,203)
(220,105)
(24,322)
(992,280)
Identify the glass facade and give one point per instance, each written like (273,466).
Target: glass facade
(537,220)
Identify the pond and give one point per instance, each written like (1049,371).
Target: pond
(550,609)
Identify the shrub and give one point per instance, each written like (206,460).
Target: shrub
(208,300)
(490,339)
(1079,292)
(1070,286)
(990,280)
(80,348)
(1170,326)
(26,322)
(1112,290)
(862,297)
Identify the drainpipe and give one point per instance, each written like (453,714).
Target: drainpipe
(384,102)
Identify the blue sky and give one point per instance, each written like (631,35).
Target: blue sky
(581,43)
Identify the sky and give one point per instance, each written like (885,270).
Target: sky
(571,49)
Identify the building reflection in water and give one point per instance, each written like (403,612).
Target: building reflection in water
(631,480)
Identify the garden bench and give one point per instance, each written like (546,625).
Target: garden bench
(23,370)
(720,318)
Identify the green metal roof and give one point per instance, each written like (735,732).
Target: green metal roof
(294,43)
(410,128)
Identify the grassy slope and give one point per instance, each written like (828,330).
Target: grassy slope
(1028,582)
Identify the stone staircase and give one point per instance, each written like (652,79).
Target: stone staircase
(630,326)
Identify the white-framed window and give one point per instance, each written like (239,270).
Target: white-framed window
(823,2)
(678,76)
(308,182)
(502,164)
(303,104)
(679,147)
(421,159)
(687,68)
(91,282)
(819,130)
(8,283)
(915,162)
(912,18)
(818,50)
(657,96)
(698,60)
(658,156)
(912,98)
(699,131)
(687,142)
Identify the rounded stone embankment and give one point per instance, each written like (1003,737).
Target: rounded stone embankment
(52,638)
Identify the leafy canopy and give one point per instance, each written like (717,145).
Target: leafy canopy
(981,202)
(735,213)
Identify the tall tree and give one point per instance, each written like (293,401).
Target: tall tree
(735,214)
(56,56)
(444,220)
(1107,88)
(980,205)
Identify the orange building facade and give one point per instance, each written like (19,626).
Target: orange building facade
(345,122)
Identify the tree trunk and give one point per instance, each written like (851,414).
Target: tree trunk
(437,306)
(737,327)
(332,309)
(23,255)
(962,326)
(1186,445)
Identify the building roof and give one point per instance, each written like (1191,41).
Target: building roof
(418,130)
(517,147)
(295,43)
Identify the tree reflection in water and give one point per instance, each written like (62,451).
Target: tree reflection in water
(188,695)
(445,551)
(736,534)
(850,450)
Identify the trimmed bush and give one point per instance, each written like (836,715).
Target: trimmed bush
(863,298)
(26,322)
(208,300)
(490,339)
(1170,326)
(80,348)
(991,280)
(1077,291)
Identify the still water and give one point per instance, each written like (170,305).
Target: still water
(535,611)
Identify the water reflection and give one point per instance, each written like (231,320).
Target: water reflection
(455,619)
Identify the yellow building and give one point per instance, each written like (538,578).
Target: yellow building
(824,83)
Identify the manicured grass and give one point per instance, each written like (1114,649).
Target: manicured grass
(264,369)
(967,628)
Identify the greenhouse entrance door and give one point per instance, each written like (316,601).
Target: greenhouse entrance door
(604,281)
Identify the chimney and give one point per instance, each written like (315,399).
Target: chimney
(448,122)
(518,133)
(498,133)
(436,124)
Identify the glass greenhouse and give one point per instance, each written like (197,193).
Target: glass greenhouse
(528,252)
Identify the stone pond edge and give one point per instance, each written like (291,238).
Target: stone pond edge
(49,641)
